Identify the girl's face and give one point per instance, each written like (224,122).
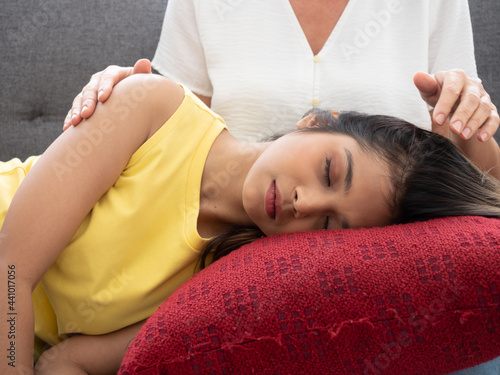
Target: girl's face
(309,181)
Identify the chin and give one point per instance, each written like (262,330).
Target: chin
(270,231)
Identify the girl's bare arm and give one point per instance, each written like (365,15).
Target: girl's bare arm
(61,189)
(96,355)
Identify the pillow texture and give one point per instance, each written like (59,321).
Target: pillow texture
(421,298)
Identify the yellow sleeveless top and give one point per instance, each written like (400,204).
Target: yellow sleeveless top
(139,243)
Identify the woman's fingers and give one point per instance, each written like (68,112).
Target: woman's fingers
(83,104)
(142,66)
(107,79)
(489,127)
(99,89)
(465,103)
(89,99)
(428,87)
(113,74)
(67,120)
(475,114)
(440,129)
(74,112)
(452,84)
(471,112)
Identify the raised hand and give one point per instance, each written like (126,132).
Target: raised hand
(461,100)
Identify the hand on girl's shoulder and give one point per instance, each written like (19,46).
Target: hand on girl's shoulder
(152,96)
(153,89)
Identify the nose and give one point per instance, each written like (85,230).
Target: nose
(307,203)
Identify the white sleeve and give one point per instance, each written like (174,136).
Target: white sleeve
(179,55)
(451,43)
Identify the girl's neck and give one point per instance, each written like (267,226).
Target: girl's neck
(226,168)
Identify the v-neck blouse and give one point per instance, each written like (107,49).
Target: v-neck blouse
(253,58)
(300,35)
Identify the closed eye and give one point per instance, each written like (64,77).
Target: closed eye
(327,171)
(325,227)
(328,183)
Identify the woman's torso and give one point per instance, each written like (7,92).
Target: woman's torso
(254,60)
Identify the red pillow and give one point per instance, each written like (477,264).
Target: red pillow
(417,298)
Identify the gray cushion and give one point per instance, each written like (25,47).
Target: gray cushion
(50,49)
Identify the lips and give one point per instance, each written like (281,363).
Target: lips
(273,201)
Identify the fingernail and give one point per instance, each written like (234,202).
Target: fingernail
(466,133)
(440,119)
(84,108)
(457,125)
(73,116)
(99,94)
(484,137)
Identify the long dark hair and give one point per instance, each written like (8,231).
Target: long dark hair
(430,176)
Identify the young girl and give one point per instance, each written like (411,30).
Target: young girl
(112,218)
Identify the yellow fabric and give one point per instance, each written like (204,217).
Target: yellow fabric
(139,243)
(11,175)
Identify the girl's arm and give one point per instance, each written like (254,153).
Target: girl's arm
(60,190)
(83,354)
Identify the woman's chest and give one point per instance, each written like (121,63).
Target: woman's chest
(317,19)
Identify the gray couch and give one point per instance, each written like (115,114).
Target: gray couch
(49,50)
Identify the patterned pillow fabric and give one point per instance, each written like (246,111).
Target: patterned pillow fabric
(421,298)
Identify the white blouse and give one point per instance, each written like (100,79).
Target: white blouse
(254,60)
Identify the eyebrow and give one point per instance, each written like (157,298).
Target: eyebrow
(347,183)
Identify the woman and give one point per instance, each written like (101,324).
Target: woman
(112,217)
(318,53)
(261,64)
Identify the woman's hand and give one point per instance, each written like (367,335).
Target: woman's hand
(461,108)
(461,100)
(99,88)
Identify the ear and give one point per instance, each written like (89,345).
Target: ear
(307,122)
(310,121)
